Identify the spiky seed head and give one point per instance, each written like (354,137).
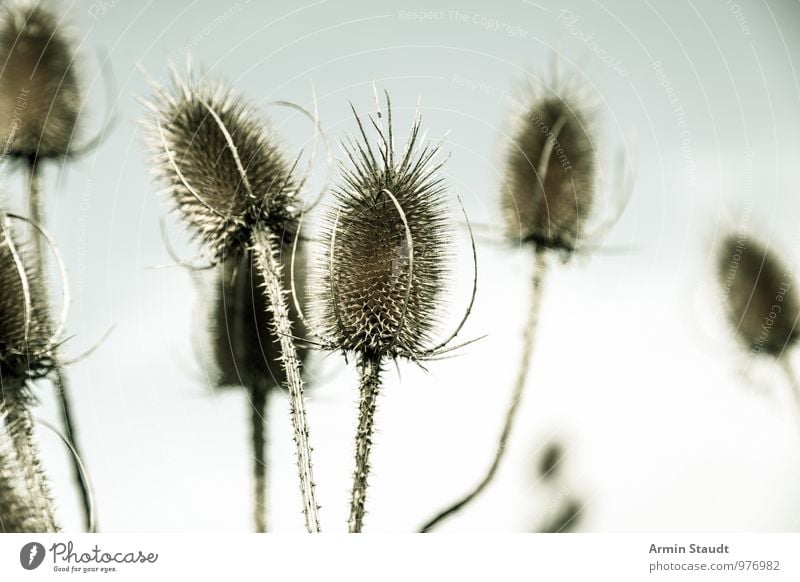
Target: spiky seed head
(25,333)
(759,294)
(40,89)
(245,350)
(550,173)
(381,290)
(221,163)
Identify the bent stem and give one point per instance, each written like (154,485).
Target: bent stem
(266,246)
(529,335)
(62,391)
(369,371)
(258,419)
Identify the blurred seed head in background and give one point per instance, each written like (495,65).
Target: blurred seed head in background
(40,89)
(759,295)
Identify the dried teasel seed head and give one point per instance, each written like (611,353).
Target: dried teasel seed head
(244,347)
(221,163)
(386,247)
(40,90)
(25,328)
(550,173)
(759,295)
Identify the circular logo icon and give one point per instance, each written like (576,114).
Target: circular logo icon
(31,555)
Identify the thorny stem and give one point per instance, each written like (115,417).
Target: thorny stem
(62,390)
(529,335)
(258,418)
(369,371)
(265,246)
(36,216)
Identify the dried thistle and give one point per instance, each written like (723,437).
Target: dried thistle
(246,353)
(224,169)
(26,334)
(25,354)
(387,251)
(760,300)
(228,178)
(548,196)
(40,89)
(550,174)
(41,96)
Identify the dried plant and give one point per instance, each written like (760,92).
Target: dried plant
(41,96)
(228,178)
(245,352)
(760,299)
(387,254)
(549,194)
(26,347)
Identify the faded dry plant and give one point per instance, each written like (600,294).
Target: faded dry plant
(26,354)
(387,254)
(227,176)
(41,95)
(760,299)
(245,352)
(547,199)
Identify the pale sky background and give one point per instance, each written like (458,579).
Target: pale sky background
(668,426)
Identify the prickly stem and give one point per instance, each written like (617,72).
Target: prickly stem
(265,246)
(369,371)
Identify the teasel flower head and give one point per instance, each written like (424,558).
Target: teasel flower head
(387,248)
(40,88)
(222,165)
(551,168)
(759,295)
(26,334)
(244,349)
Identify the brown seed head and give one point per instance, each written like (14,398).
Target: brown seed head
(386,248)
(40,92)
(759,295)
(222,165)
(25,329)
(550,174)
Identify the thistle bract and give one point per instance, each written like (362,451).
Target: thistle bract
(550,175)
(759,295)
(40,93)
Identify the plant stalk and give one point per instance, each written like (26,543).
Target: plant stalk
(529,335)
(369,371)
(266,246)
(36,216)
(62,391)
(258,418)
